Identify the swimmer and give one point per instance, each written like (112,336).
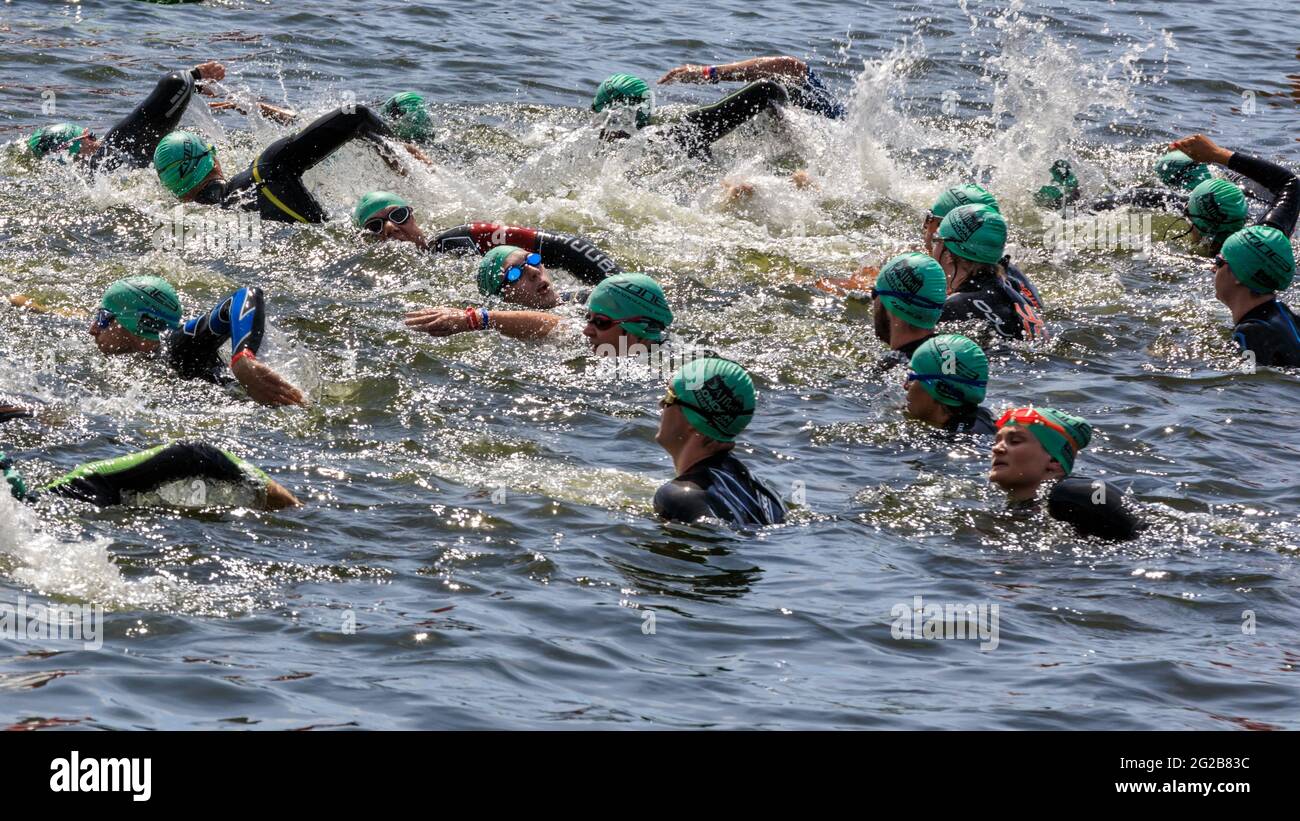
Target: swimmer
(130,143)
(384,216)
(1034,451)
(946,384)
(709,402)
(906,304)
(972,194)
(142,314)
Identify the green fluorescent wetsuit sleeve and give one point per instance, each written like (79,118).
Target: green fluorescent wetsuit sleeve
(104,482)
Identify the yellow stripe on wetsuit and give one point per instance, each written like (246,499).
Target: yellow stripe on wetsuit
(266,191)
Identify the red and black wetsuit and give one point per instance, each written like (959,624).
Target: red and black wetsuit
(577,255)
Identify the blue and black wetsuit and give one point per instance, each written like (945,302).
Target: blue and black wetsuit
(192,348)
(721,487)
(1010,305)
(272,184)
(132,141)
(124,479)
(1094,508)
(815,97)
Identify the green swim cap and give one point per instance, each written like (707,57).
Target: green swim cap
(490,281)
(374,202)
(52,137)
(624,90)
(717,397)
(1261,258)
(1177,170)
(1064,186)
(625,296)
(912,287)
(968,194)
(17,486)
(975,232)
(410,115)
(143,305)
(1217,208)
(952,369)
(182,161)
(1061,434)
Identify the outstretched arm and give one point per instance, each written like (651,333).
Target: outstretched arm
(757,68)
(450,321)
(1280,182)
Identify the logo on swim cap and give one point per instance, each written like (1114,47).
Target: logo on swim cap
(1261,258)
(974,232)
(1217,208)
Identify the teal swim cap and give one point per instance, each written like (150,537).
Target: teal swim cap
(968,194)
(410,115)
(636,302)
(1061,434)
(182,161)
(912,287)
(53,137)
(1261,258)
(374,202)
(975,232)
(1217,208)
(17,486)
(1177,170)
(624,90)
(1064,186)
(952,369)
(716,396)
(490,281)
(143,305)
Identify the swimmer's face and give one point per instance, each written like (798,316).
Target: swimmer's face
(946,259)
(1019,460)
(606,341)
(674,430)
(1225,282)
(406,231)
(115,339)
(880,320)
(534,288)
(921,405)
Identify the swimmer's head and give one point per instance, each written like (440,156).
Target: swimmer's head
(912,288)
(183,161)
(517,276)
(1260,258)
(974,232)
(625,91)
(948,369)
(408,113)
(1034,445)
(77,141)
(1216,208)
(713,397)
(384,215)
(968,194)
(133,313)
(1179,171)
(631,304)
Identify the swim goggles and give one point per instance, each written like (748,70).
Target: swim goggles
(397,216)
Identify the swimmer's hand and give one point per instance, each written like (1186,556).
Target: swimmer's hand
(1202,149)
(211,70)
(864,280)
(265,385)
(278,496)
(685,74)
(24,301)
(438,321)
(414,151)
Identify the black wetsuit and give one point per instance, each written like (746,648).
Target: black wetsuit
(113,481)
(1005,303)
(900,356)
(191,349)
(815,97)
(272,184)
(700,127)
(1272,333)
(577,255)
(132,141)
(1075,500)
(974,419)
(721,487)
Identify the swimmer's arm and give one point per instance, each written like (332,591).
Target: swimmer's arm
(284,116)
(682,502)
(757,68)
(263,384)
(523,324)
(1280,182)
(445,321)
(27,303)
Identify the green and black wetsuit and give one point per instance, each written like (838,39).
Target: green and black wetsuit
(272,184)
